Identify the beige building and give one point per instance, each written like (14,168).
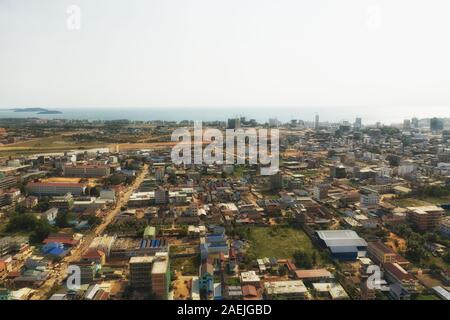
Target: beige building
(141,272)
(425,218)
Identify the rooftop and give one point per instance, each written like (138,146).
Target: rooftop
(425,209)
(146,259)
(249,276)
(160,267)
(285,287)
(313,273)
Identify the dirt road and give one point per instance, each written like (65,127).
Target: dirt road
(58,275)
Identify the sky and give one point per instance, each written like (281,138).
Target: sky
(361,54)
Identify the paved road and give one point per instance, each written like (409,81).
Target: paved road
(57,276)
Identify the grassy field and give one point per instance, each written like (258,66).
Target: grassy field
(278,242)
(427,297)
(436,201)
(409,202)
(48,144)
(417,202)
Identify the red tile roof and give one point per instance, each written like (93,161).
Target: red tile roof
(93,254)
(61,238)
(313,273)
(249,291)
(398,272)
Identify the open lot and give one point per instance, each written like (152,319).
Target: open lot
(409,202)
(58,143)
(278,242)
(188,266)
(422,201)
(90,181)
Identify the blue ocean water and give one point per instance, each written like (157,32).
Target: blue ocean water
(262,114)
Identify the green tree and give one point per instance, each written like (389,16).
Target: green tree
(41,231)
(282,271)
(314,258)
(415,251)
(21,222)
(62,220)
(20,208)
(94,192)
(446,257)
(115,179)
(43,204)
(302,259)
(93,220)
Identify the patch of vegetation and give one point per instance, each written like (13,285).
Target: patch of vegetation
(188,266)
(128,226)
(409,202)
(233,282)
(280,242)
(415,247)
(427,297)
(38,229)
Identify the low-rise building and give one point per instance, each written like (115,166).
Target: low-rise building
(55,188)
(250,278)
(396,274)
(86,170)
(383,254)
(343,244)
(313,275)
(369,199)
(291,289)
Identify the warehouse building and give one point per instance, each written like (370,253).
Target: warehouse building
(344,245)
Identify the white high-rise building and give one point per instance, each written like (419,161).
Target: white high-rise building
(316,122)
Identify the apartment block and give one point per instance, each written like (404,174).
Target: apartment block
(141,272)
(86,170)
(425,218)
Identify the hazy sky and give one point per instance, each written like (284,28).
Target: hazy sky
(143,53)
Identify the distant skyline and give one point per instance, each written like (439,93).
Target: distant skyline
(262,114)
(377,59)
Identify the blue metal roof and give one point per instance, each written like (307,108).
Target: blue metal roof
(344,249)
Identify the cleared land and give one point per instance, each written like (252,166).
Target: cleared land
(188,266)
(58,143)
(422,201)
(278,242)
(409,202)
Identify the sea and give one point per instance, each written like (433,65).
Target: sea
(386,115)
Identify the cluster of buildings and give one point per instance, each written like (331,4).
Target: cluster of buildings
(363,200)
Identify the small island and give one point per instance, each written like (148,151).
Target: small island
(50,112)
(37,110)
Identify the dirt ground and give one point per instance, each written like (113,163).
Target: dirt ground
(181,287)
(396,243)
(90,181)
